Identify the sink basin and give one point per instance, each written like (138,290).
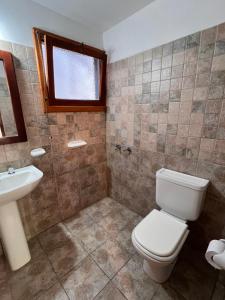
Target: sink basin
(16,186)
(12,188)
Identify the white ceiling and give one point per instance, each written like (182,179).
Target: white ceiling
(100,14)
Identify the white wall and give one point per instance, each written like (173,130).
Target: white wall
(17,17)
(161,22)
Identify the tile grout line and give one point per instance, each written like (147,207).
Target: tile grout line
(111,278)
(118,272)
(75,267)
(57,276)
(110,281)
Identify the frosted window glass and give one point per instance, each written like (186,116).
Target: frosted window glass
(76,76)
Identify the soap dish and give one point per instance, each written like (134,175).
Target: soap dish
(76,144)
(37,152)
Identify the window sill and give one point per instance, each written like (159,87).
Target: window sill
(50,109)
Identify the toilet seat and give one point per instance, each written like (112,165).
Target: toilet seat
(160,236)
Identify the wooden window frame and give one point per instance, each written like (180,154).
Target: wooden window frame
(52,104)
(21,136)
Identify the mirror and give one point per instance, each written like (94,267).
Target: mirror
(12,127)
(7,120)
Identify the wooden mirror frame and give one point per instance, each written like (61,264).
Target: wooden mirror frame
(7,59)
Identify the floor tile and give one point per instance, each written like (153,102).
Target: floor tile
(222,277)
(166,293)
(103,230)
(35,248)
(219,292)
(112,204)
(110,292)
(66,257)
(54,237)
(196,258)
(100,209)
(133,282)
(33,278)
(85,282)
(4,269)
(56,292)
(109,201)
(79,222)
(124,236)
(105,205)
(92,237)
(113,222)
(110,257)
(127,213)
(5,292)
(115,205)
(186,280)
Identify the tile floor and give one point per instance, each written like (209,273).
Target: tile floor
(90,256)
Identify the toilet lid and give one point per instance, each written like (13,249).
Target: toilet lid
(160,233)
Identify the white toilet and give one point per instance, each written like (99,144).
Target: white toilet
(160,236)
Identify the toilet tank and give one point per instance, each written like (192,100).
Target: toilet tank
(179,194)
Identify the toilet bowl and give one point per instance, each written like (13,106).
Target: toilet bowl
(159,237)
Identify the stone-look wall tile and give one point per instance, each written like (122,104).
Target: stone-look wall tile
(220,32)
(218,78)
(215,92)
(2,155)
(60,194)
(191,55)
(219,152)
(206,149)
(220,47)
(190,69)
(204,65)
(208,36)
(200,93)
(218,63)
(178,123)
(193,145)
(195,130)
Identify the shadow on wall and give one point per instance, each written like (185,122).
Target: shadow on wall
(211,222)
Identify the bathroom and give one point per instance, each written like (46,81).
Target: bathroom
(112,150)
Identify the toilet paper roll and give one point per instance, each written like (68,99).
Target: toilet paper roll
(215,247)
(219,259)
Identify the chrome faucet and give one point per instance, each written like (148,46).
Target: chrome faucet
(11,170)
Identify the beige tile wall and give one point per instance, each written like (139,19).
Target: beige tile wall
(168,105)
(72,178)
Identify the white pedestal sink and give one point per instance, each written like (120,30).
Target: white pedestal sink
(12,188)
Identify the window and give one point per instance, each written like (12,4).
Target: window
(72,74)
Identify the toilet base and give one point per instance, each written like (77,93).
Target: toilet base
(158,272)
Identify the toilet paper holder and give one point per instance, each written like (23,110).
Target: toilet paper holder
(215,254)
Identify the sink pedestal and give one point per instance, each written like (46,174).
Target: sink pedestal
(13,236)
(12,188)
